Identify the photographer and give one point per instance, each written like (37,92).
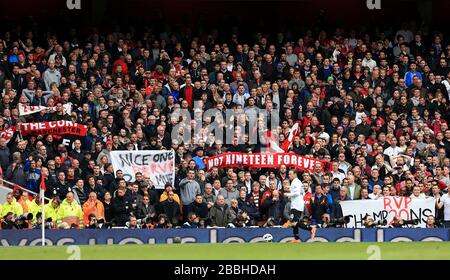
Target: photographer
(399,222)
(132,223)
(192,222)
(242,220)
(92,222)
(9,221)
(431,222)
(325,221)
(49,222)
(24,221)
(163,222)
(328,222)
(369,222)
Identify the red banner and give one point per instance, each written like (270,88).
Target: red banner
(55,127)
(265,160)
(8,133)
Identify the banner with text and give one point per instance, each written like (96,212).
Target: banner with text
(158,165)
(55,127)
(8,133)
(264,160)
(387,208)
(28,110)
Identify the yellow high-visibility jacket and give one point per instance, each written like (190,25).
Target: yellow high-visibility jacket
(70,213)
(34,208)
(51,212)
(13,207)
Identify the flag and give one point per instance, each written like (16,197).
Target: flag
(43,209)
(43,183)
(294,131)
(272,144)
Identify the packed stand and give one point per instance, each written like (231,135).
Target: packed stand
(374,105)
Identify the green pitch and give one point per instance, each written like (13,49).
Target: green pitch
(253,251)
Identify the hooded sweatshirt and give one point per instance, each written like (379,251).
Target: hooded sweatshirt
(50,76)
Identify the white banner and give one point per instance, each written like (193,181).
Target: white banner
(158,165)
(28,110)
(387,208)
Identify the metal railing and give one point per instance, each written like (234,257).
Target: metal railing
(22,188)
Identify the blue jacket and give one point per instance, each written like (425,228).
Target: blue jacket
(373,183)
(199,162)
(32,176)
(409,78)
(330,202)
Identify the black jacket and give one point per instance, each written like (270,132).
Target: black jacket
(219,215)
(336,209)
(144,210)
(201,210)
(109,215)
(319,206)
(121,209)
(274,209)
(171,210)
(60,189)
(108,182)
(81,196)
(249,208)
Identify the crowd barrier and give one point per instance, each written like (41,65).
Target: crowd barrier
(214,235)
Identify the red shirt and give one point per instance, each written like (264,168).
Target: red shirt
(307,199)
(188,96)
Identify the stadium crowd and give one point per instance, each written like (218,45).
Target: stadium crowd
(374,105)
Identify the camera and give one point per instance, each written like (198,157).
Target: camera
(369,222)
(411,222)
(22,221)
(26,217)
(144,221)
(337,222)
(269,223)
(381,222)
(101,223)
(398,222)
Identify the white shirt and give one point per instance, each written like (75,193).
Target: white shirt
(374,196)
(296,195)
(393,151)
(445,199)
(358,117)
(421,195)
(351,189)
(339,175)
(369,63)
